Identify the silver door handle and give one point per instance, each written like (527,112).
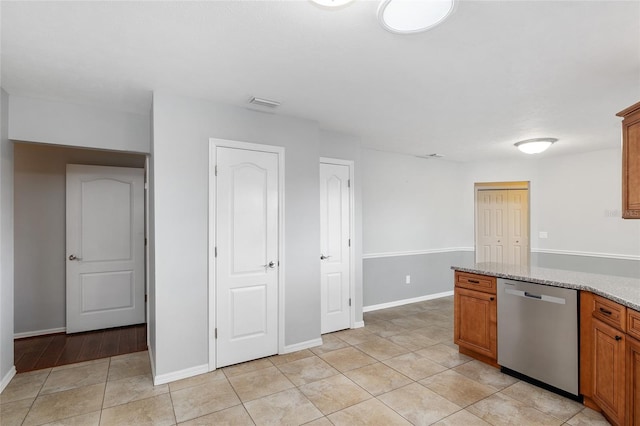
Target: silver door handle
(73,257)
(270,265)
(323,257)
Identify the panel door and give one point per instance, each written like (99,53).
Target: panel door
(105,247)
(609,370)
(492,226)
(247,210)
(335,259)
(518,227)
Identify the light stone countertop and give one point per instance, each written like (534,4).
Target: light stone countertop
(623,290)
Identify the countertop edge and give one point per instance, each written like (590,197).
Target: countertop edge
(533,279)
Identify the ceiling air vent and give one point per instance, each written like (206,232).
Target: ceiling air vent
(264,102)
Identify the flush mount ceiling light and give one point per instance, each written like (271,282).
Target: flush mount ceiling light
(535,146)
(413,16)
(331,3)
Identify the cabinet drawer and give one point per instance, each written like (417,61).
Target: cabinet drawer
(633,323)
(610,312)
(476,282)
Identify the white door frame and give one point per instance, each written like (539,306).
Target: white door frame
(480,186)
(212,285)
(352,246)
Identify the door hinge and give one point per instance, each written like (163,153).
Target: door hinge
(145,241)
(146,185)
(349,242)
(215,333)
(215,170)
(215,252)
(349,301)
(348,183)
(146,297)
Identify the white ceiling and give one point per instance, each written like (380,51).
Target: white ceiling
(492,74)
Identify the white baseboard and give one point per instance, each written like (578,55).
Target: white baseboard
(181,374)
(302,345)
(358,324)
(39,332)
(406,301)
(7,378)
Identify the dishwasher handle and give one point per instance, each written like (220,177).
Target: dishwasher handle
(542,298)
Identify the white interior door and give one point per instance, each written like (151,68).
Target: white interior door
(335,256)
(491,226)
(502,226)
(247,210)
(518,224)
(105,247)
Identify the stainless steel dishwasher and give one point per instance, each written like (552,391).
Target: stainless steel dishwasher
(538,334)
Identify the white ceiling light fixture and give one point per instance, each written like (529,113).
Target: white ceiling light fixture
(413,16)
(535,146)
(331,3)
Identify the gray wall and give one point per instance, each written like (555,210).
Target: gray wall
(39,206)
(414,206)
(6,246)
(181,131)
(430,273)
(590,264)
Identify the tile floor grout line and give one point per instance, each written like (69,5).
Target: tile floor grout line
(444,355)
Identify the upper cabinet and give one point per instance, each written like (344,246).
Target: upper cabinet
(631,161)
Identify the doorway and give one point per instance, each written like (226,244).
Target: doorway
(502,222)
(246,247)
(336,251)
(40,253)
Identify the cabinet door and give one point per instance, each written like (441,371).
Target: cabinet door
(633,382)
(475,326)
(631,162)
(609,370)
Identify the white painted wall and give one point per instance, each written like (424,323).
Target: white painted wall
(60,123)
(576,199)
(181,131)
(7,369)
(344,147)
(414,204)
(39,228)
(410,203)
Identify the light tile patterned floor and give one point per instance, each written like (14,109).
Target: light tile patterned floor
(402,368)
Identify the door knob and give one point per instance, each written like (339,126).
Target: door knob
(323,257)
(270,265)
(73,257)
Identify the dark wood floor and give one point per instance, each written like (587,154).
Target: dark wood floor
(34,353)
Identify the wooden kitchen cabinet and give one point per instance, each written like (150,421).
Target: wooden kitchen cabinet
(475,327)
(633,381)
(631,161)
(609,370)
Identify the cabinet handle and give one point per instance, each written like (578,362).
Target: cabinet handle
(492,299)
(604,311)
(473,281)
(618,338)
